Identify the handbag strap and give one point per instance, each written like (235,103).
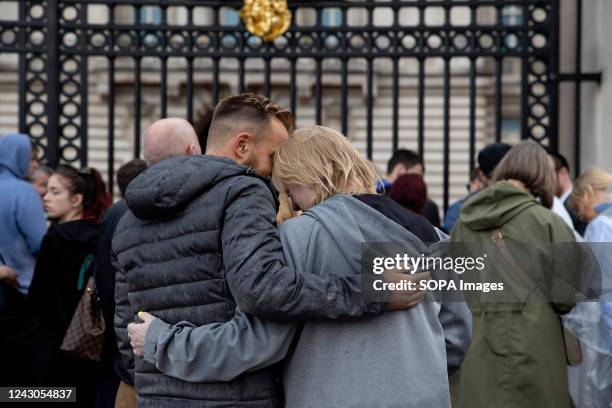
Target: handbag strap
(498,239)
(83,271)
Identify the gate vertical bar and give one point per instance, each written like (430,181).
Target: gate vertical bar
(525,74)
(293,87)
(111,122)
(421,102)
(472,113)
(446,152)
(344,79)
(395,96)
(22,70)
(52,106)
(137,85)
(344,96)
(111,105)
(472,96)
(190,59)
(577,89)
(84,102)
(498,99)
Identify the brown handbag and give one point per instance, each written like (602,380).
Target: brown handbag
(85,335)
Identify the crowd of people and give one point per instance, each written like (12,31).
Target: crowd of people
(230,274)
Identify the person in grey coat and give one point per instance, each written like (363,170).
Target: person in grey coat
(399,359)
(199,238)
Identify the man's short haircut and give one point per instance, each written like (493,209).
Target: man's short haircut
(247,109)
(408,158)
(128,172)
(560,161)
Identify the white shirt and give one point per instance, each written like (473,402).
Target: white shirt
(559,209)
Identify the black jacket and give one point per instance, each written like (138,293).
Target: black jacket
(105,283)
(200,236)
(53,297)
(53,293)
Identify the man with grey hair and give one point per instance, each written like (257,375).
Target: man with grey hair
(165,138)
(169,137)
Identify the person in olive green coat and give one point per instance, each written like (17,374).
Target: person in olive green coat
(517,356)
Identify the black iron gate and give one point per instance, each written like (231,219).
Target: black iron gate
(55,41)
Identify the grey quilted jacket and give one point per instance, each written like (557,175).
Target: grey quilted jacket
(200,238)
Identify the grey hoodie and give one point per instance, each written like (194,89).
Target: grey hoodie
(393,360)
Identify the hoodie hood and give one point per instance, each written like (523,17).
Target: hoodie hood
(79,231)
(15,152)
(169,186)
(495,205)
(350,222)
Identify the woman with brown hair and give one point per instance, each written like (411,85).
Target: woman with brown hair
(517,357)
(75,201)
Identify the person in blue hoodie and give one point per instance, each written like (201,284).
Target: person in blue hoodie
(22,218)
(22,227)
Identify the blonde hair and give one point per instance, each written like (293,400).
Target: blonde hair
(529,163)
(322,159)
(285,209)
(584,194)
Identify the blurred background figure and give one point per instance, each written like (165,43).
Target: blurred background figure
(40,178)
(22,227)
(565,186)
(591,382)
(76,201)
(22,219)
(410,191)
(475,184)
(591,195)
(33,165)
(452,214)
(488,159)
(406,161)
(128,172)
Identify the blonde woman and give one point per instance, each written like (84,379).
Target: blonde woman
(592,194)
(399,359)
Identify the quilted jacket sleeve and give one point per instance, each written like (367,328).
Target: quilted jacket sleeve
(256,272)
(123,317)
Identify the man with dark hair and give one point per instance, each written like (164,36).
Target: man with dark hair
(128,172)
(406,161)
(488,159)
(564,190)
(200,239)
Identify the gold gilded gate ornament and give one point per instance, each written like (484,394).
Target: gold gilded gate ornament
(267,19)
